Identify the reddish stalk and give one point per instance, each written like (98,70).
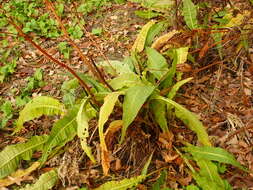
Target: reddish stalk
(43,51)
(94,70)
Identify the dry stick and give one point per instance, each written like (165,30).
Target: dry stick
(84,59)
(238,131)
(82,83)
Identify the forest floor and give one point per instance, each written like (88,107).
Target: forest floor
(220,94)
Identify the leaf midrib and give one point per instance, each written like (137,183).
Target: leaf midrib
(62,129)
(30,147)
(188,7)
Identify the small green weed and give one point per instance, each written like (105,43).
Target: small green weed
(36,81)
(97,31)
(7,69)
(7,113)
(65,49)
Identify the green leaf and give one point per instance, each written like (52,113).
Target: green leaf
(134,99)
(83,129)
(7,69)
(161,180)
(64,49)
(210,172)
(41,105)
(105,111)
(97,31)
(59,8)
(7,110)
(158,5)
(141,38)
(214,154)
(217,39)
(38,75)
(75,32)
(173,93)
(179,57)
(158,108)
(95,84)
(63,130)
(69,85)
(145,168)
(116,68)
(157,64)
(190,14)
(125,80)
(192,187)
(12,155)
(148,14)
(123,184)
(45,182)
(176,87)
(155,30)
(189,119)
(204,183)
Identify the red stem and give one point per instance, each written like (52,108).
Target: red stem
(82,83)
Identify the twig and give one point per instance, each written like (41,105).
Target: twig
(238,131)
(99,72)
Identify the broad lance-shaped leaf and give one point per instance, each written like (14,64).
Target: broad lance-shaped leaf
(190,120)
(145,168)
(141,38)
(173,92)
(176,87)
(45,182)
(18,175)
(214,154)
(160,181)
(11,156)
(116,67)
(157,64)
(164,39)
(83,129)
(218,39)
(95,84)
(134,99)
(63,130)
(41,105)
(209,171)
(155,30)
(190,14)
(105,111)
(205,183)
(158,108)
(125,80)
(123,184)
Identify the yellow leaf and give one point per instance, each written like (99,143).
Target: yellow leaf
(161,41)
(237,20)
(105,111)
(141,38)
